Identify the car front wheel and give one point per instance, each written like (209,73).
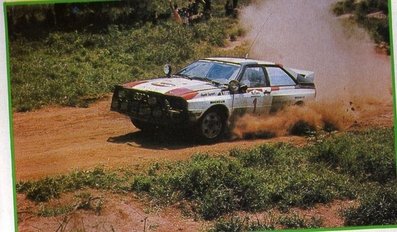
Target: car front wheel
(143,126)
(211,126)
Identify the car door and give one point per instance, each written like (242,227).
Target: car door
(257,98)
(284,89)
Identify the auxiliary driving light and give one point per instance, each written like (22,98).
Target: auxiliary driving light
(152,101)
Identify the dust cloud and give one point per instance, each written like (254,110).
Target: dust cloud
(314,114)
(304,34)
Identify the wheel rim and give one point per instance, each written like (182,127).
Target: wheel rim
(211,126)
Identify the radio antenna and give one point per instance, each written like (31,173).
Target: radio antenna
(257,35)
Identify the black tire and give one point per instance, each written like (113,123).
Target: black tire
(143,126)
(211,126)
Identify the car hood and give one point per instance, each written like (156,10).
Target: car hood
(170,85)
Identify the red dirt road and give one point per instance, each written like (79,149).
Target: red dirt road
(58,140)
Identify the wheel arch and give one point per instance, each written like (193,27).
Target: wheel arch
(220,108)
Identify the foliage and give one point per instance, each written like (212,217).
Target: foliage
(232,224)
(47,188)
(290,221)
(377,207)
(369,155)
(76,68)
(353,165)
(296,221)
(378,28)
(46,211)
(252,181)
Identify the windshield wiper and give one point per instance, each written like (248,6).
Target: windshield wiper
(183,75)
(206,79)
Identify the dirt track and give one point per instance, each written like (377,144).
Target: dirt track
(57,140)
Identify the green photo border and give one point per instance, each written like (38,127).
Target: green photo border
(8,70)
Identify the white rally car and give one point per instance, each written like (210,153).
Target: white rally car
(206,94)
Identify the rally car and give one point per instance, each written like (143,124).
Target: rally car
(208,93)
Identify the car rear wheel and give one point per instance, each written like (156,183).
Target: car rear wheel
(211,126)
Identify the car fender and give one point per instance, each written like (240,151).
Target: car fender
(198,106)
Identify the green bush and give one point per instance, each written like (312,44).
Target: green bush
(217,202)
(368,155)
(295,221)
(377,207)
(275,175)
(233,224)
(75,68)
(377,28)
(260,156)
(290,221)
(141,184)
(45,211)
(218,185)
(43,190)
(52,187)
(306,186)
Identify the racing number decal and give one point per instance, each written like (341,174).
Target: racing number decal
(255,102)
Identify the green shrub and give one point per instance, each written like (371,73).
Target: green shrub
(217,202)
(277,175)
(377,207)
(218,185)
(260,156)
(52,187)
(306,186)
(43,190)
(377,28)
(233,224)
(291,221)
(141,184)
(368,155)
(295,221)
(45,211)
(75,68)
(264,155)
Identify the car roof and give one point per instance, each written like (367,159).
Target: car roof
(237,60)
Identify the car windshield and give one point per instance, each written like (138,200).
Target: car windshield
(211,70)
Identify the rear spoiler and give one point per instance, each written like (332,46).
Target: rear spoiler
(302,76)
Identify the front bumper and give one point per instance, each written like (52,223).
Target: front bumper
(150,107)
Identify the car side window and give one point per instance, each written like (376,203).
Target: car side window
(254,77)
(279,77)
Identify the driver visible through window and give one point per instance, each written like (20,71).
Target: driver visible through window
(215,71)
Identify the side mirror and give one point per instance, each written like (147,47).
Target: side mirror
(167,70)
(234,86)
